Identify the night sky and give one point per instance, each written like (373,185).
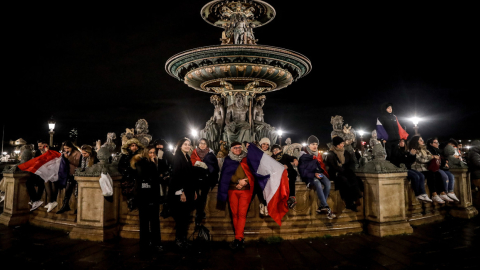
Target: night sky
(100,69)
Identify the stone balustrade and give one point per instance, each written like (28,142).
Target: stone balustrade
(389,207)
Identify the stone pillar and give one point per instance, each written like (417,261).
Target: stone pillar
(97,217)
(16,210)
(384,200)
(463,190)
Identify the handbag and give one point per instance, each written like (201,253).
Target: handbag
(434,165)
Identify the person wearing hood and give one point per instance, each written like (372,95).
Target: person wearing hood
(341,170)
(287,161)
(314,173)
(182,192)
(131,148)
(147,197)
(417,179)
(71,153)
(422,160)
(390,131)
(206,169)
(444,170)
(236,184)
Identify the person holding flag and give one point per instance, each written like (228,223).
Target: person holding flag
(239,173)
(389,131)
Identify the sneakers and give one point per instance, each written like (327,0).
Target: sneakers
(266,210)
(2,198)
(330,214)
(453,197)
(319,209)
(445,198)
(291,202)
(36,204)
(51,206)
(437,199)
(48,204)
(424,198)
(262,209)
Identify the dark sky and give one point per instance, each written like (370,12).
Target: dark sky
(99,69)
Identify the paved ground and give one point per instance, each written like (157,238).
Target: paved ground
(452,244)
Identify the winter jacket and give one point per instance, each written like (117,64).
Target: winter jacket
(210,175)
(473,160)
(389,129)
(422,160)
(127,172)
(147,182)
(404,156)
(437,152)
(308,166)
(332,164)
(183,177)
(287,160)
(73,161)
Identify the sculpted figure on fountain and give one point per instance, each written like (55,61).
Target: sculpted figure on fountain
(236,126)
(213,129)
(262,129)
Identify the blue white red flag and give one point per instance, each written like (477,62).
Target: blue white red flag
(381,132)
(46,166)
(273,179)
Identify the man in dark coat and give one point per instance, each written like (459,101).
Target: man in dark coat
(288,161)
(341,170)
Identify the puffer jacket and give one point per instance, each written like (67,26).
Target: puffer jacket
(473,161)
(422,160)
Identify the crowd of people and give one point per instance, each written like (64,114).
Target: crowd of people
(181,181)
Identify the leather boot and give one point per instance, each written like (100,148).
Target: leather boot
(68,193)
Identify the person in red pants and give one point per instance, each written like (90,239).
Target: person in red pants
(236,184)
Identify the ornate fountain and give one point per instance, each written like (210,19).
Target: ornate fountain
(238,70)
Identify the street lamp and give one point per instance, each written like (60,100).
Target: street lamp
(361,132)
(304,144)
(280,132)
(170,147)
(415,121)
(194,133)
(51,126)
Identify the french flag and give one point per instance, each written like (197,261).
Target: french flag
(273,179)
(381,132)
(46,166)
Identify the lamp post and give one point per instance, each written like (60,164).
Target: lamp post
(51,126)
(194,133)
(280,132)
(415,121)
(361,132)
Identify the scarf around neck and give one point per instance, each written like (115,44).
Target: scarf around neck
(340,154)
(278,156)
(312,152)
(237,158)
(202,153)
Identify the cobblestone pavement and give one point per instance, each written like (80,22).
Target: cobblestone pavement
(451,244)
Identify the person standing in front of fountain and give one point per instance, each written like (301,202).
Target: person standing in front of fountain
(182,191)
(131,148)
(147,197)
(206,169)
(390,132)
(236,184)
(341,169)
(314,173)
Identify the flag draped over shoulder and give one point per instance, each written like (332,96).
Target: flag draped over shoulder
(273,179)
(46,166)
(383,135)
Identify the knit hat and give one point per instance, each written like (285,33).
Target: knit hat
(264,140)
(234,144)
(312,139)
(337,140)
(275,146)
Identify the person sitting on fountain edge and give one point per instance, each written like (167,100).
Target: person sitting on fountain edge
(287,161)
(341,169)
(313,173)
